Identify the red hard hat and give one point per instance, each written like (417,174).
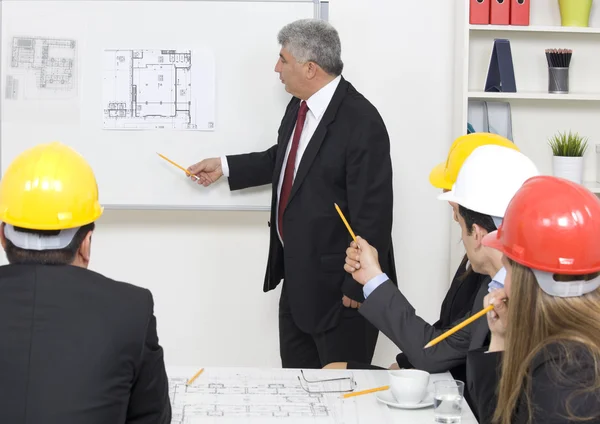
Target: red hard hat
(552,225)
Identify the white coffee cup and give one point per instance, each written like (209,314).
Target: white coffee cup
(409,386)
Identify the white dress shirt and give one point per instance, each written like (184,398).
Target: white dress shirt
(317,104)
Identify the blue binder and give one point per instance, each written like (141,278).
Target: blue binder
(501,73)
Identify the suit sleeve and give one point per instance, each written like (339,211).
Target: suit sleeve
(251,169)
(388,310)
(370,195)
(149,401)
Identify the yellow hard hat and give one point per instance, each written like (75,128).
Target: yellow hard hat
(444,174)
(49,187)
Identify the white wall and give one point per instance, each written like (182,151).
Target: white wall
(206,269)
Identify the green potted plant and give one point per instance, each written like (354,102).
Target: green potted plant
(568,150)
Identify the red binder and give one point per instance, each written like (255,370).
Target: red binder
(519,12)
(500,12)
(479,12)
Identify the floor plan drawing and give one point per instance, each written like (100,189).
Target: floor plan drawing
(47,67)
(158,89)
(267,397)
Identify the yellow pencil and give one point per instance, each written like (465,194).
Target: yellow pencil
(364,392)
(175,164)
(459,326)
(191,380)
(345,222)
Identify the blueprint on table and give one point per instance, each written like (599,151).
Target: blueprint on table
(222,396)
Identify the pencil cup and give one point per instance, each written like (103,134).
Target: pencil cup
(558,80)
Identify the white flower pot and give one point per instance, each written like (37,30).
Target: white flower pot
(568,167)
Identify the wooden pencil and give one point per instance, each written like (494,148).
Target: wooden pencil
(175,164)
(459,326)
(364,392)
(195,376)
(345,222)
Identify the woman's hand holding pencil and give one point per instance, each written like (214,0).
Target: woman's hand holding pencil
(497,318)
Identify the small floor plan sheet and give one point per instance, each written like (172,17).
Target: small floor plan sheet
(150,89)
(42,67)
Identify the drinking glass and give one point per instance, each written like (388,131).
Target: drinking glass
(447,401)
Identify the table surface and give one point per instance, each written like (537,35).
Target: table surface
(368,401)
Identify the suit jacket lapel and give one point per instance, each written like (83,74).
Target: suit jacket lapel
(286,132)
(317,139)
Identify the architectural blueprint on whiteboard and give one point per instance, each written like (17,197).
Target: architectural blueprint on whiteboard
(158,89)
(42,67)
(223,396)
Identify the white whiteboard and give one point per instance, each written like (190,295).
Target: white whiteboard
(249,98)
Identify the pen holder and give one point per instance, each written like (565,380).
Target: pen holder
(558,80)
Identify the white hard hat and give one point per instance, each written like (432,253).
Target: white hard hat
(489,178)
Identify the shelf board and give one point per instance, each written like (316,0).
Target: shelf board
(536,28)
(534,95)
(592,186)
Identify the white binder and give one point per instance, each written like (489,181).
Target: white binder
(492,117)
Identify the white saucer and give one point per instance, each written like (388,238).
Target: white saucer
(388,398)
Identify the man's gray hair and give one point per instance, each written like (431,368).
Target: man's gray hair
(313,40)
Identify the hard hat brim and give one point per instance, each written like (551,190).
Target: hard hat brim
(449,196)
(437,179)
(491,240)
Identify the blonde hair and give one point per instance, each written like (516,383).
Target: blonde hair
(537,320)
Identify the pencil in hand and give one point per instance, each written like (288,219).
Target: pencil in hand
(459,326)
(178,166)
(345,222)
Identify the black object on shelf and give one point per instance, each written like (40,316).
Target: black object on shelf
(501,72)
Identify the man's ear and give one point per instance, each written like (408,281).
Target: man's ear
(311,70)
(479,233)
(2,236)
(85,249)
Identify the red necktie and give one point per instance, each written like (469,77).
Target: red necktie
(288,178)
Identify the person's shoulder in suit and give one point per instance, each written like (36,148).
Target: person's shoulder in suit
(121,286)
(357,106)
(123,295)
(134,306)
(116,327)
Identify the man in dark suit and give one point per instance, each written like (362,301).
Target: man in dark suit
(389,310)
(332,147)
(77,347)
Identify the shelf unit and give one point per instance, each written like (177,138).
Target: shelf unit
(536,114)
(541,10)
(532,95)
(593,186)
(535,28)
